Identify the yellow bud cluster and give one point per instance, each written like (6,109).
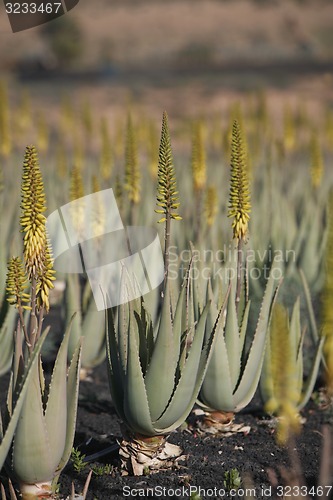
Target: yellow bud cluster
(132,172)
(17,283)
(239,200)
(198,157)
(45,280)
(211,205)
(317,164)
(32,219)
(98,209)
(167,194)
(77,193)
(36,248)
(284,377)
(326,302)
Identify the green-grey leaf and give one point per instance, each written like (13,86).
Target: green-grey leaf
(136,407)
(72,395)
(10,429)
(160,375)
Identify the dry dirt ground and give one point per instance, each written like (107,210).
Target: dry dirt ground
(207,457)
(261,463)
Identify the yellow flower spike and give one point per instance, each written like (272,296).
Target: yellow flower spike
(326,302)
(17,283)
(132,172)
(167,193)
(317,165)
(106,157)
(239,200)
(36,248)
(198,161)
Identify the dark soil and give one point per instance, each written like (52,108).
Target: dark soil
(207,457)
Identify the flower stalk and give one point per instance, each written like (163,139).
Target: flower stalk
(167,194)
(239,199)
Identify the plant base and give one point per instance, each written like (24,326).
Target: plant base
(141,455)
(219,422)
(37,490)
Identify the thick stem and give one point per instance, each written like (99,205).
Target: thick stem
(26,337)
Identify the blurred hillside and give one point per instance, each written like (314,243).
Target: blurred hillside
(176,35)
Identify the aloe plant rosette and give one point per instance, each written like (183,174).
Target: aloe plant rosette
(44,435)
(234,369)
(45,428)
(154,375)
(154,379)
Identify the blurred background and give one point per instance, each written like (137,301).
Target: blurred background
(185,56)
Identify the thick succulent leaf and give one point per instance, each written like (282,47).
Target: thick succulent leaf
(266,383)
(93,331)
(20,399)
(115,374)
(146,336)
(73,306)
(31,455)
(311,380)
(243,329)
(295,331)
(122,331)
(251,373)
(312,318)
(296,339)
(177,323)
(72,395)
(190,381)
(160,375)
(56,408)
(232,341)
(7,340)
(310,260)
(217,388)
(136,409)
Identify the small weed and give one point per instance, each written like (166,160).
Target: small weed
(77,459)
(195,496)
(101,470)
(232,479)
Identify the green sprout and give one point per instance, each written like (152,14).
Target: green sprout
(77,459)
(232,479)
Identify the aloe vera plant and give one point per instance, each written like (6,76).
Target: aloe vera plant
(6,338)
(154,375)
(234,370)
(44,433)
(154,378)
(53,411)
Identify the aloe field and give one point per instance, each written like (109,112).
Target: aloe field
(166,273)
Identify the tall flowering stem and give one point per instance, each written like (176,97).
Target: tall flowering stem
(37,256)
(198,165)
(132,171)
(167,194)
(239,200)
